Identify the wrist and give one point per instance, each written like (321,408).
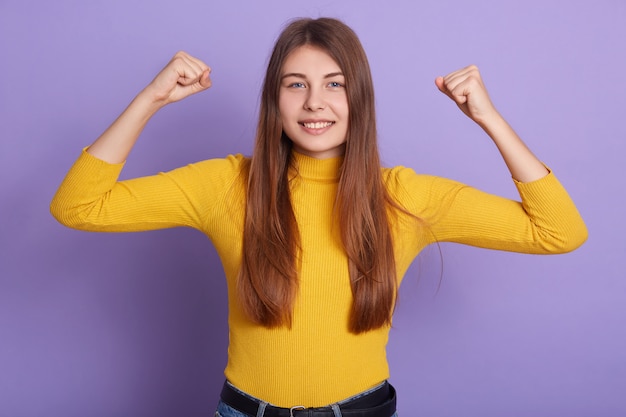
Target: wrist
(147,103)
(490,120)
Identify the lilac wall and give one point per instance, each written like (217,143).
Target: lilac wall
(134,324)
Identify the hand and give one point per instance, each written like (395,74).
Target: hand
(183,76)
(465,87)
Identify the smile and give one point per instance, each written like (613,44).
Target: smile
(316,125)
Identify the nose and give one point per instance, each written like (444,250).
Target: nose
(314,100)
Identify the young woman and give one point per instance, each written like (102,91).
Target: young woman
(313,234)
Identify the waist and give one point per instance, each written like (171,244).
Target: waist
(379,401)
(286,366)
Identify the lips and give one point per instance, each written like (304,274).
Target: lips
(316,125)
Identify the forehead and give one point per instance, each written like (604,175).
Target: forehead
(309,59)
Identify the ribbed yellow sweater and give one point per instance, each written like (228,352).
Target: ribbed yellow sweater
(317,361)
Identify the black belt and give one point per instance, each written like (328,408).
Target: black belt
(378,403)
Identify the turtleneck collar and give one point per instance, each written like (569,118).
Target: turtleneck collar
(325,170)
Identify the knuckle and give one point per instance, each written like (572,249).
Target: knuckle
(179,56)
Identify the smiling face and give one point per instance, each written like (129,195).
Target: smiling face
(313,103)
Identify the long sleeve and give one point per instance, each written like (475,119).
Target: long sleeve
(91,197)
(545,221)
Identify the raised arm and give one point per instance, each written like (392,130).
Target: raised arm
(91,198)
(546,221)
(466,88)
(183,76)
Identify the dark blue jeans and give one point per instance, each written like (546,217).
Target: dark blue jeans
(224,410)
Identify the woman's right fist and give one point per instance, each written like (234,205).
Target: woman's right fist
(183,76)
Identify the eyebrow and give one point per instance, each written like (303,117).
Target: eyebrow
(299,75)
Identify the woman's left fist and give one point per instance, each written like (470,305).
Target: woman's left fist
(466,88)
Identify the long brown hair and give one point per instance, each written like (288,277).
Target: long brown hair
(268,278)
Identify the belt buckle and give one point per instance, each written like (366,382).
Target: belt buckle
(294,408)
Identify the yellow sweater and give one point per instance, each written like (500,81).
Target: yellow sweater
(317,361)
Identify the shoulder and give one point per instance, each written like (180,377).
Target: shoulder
(215,169)
(419,193)
(399,177)
(230,163)
(211,177)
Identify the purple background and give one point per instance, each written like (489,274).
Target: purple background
(134,324)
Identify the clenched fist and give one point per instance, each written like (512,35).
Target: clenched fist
(183,76)
(465,87)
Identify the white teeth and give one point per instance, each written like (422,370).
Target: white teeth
(317,125)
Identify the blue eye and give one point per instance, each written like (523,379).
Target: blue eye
(335,84)
(297,85)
